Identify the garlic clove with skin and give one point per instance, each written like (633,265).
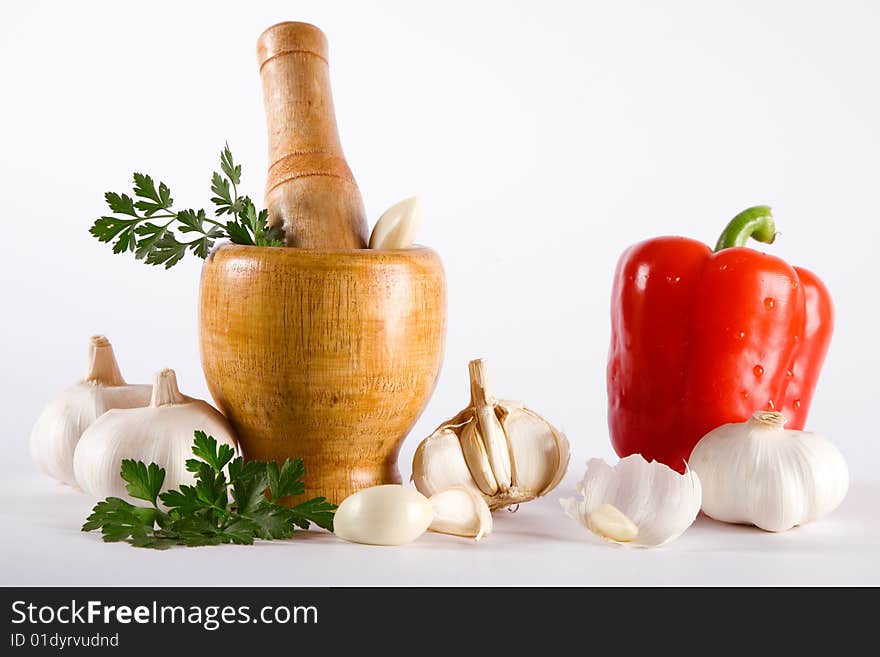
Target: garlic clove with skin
(398,225)
(759,473)
(62,422)
(461,511)
(501,449)
(160,433)
(635,503)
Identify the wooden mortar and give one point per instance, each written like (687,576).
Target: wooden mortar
(329,353)
(328,356)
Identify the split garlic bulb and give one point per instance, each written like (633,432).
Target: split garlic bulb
(500,449)
(160,433)
(635,503)
(398,225)
(62,422)
(395,515)
(758,473)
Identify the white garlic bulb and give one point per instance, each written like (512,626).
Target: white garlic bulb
(758,473)
(383,515)
(635,503)
(398,225)
(62,422)
(160,433)
(500,449)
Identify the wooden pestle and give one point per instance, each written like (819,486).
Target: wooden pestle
(310,190)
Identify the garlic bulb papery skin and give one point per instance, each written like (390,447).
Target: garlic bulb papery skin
(461,511)
(659,502)
(759,473)
(160,433)
(383,515)
(500,449)
(398,225)
(62,422)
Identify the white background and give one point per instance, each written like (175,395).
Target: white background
(543,138)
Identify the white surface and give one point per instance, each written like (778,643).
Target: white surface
(538,544)
(543,138)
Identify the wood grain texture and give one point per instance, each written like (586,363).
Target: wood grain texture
(310,190)
(326,355)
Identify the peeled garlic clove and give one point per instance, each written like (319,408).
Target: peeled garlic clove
(759,473)
(62,422)
(507,452)
(160,433)
(398,225)
(609,522)
(461,511)
(658,501)
(383,515)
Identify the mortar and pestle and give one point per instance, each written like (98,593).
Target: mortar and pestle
(322,350)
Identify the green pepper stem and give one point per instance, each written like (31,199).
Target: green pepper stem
(756,222)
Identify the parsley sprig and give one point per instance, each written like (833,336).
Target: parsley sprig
(159,235)
(209,513)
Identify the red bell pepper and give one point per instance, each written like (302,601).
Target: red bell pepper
(701,338)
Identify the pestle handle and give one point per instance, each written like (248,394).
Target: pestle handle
(310,190)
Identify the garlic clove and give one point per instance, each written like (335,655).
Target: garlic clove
(461,511)
(160,433)
(61,423)
(473,448)
(383,515)
(490,431)
(539,453)
(609,522)
(564,459)
(659,501)
(439,464)
(759,473)
(398,225)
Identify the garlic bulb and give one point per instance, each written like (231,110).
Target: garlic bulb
(635,503)
(500,449)
(383,515)
(758,473)
(461,511)
(397,227)
(61,423)
(160,433)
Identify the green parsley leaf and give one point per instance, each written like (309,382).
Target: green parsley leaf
(204,514)
(166,251)
(287,481)
(160,243)
(120,203)
(119,520)
(272,521)
(184,501)
(249,491)
(238,233)
(317,510)
(205,447)
(152,201)
(142,482)
(232,171)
